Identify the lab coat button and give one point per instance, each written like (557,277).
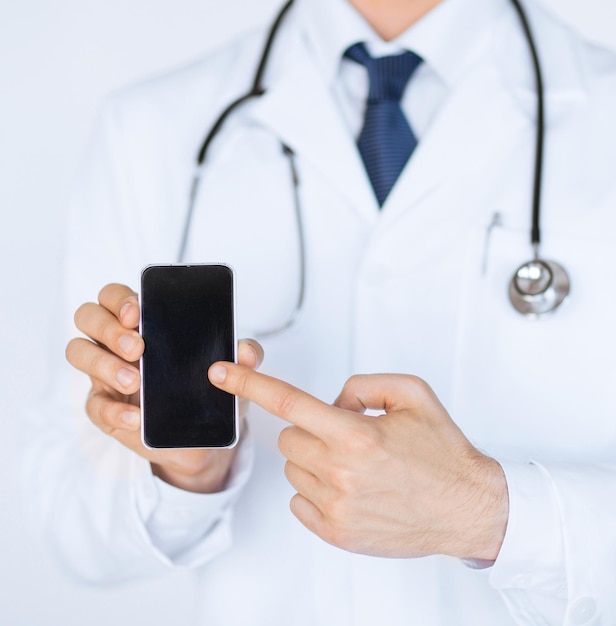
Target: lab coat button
(582,611)
(522,581)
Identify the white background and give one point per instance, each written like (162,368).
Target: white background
(58,59)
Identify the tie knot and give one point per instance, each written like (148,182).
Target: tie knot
(388,75)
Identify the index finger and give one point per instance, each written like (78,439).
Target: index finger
(279,398)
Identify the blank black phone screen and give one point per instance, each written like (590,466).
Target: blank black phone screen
(187,323)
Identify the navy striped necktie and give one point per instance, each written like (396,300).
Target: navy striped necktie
(386,140)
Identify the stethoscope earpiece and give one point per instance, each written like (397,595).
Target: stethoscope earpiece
(538,287)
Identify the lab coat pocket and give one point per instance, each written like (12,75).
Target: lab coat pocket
(537,385)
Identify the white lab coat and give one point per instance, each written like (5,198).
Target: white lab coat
(420,287)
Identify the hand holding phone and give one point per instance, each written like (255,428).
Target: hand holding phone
(187,323)
(109,354)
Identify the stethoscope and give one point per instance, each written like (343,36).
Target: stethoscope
(537,287)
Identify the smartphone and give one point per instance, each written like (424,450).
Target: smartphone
(187,323)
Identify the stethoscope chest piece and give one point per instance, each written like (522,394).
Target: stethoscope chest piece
(538,287)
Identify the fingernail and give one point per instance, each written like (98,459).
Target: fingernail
(254,349)
(130,418)
(218,373)
(128,343)
(124,309)
(125,377)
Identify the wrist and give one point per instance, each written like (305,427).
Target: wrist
(488,522)
(207,475)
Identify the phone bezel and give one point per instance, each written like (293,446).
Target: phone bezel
(236,417)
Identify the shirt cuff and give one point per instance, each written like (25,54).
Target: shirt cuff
(188,529)
(532,554)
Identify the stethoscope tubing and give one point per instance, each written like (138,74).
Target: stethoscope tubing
(256,91)
(521,301)
(535,236)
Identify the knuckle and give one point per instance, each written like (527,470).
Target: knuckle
(284,402)
(284,439)
(106,428)
(107,335)
(337,515)
(239,383)
(90,405)
(114,295)
(81,314)
(336,535)
(343,480)
(289,471)
(97,324)
(105,411)
(354,380)
(97,365)
(72,348)
(340,527)
(108,290)
(419,385)
(352,383)
(96,411)
(103,292)
(86,356)
(362,440)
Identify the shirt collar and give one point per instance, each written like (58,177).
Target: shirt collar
(446,38)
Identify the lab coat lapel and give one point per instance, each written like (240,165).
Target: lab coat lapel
(469,129)
(299,109)
(494,105)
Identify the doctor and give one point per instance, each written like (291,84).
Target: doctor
(514,440)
